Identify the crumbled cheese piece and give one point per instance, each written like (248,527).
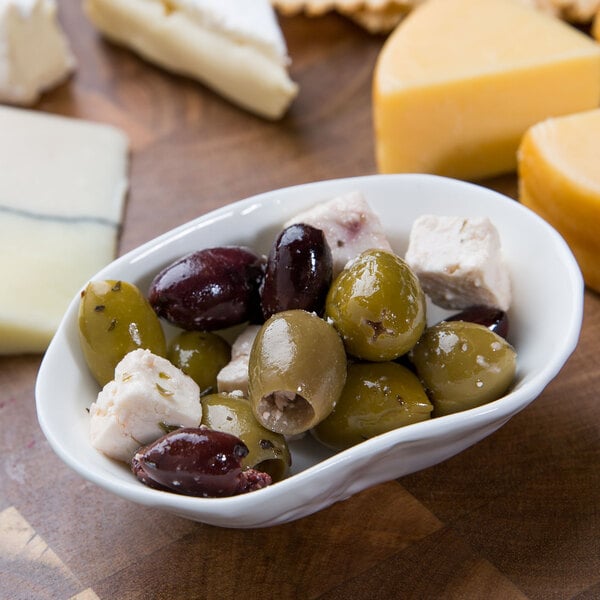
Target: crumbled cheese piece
(349,224)
(34,52)
(233,377)
(459,262)
(147,393)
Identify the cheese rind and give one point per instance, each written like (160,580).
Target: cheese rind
(62,193)
(459,82)
(459,262)
(559,178)
(256,26)
(34,52)
(211,41)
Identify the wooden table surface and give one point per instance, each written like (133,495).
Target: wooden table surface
(516,516)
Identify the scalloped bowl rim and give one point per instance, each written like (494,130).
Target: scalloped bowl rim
(383,458)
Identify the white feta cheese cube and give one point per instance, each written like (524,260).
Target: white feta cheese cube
(459,262)
(147,392)
(34,53)
(349,225)
(234,375)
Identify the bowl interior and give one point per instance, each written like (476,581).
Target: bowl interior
(545,321)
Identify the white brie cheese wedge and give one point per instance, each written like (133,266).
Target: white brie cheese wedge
(34,52)
(62,191)
(234,47)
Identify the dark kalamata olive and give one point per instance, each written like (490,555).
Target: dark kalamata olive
(298,272)
(197,461)
(493,318)
(210,289)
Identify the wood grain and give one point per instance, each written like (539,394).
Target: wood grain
(516,516)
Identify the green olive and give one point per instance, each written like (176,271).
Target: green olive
(230,413)
(463,365)
(377,397)
(114,319)
(377,305)
(296,372)
(201,355)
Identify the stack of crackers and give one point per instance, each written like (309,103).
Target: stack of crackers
(381,16)
(376,16)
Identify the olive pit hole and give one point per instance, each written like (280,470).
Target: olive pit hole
(285,412)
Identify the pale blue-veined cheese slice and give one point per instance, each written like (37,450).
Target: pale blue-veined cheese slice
(63,184)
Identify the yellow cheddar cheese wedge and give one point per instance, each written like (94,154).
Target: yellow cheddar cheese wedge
(458,83)
(559,178)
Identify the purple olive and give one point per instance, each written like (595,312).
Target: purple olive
(298,272)
(197,461)
(493,318)
(210,289)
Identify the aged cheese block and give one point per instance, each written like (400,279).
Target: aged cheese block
(235,47)
(559,178)
(34,52)
(62,190)
(459,81)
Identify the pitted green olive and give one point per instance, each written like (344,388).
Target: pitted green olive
(296,372)
(463,365)
(377,398)
(201,355)
(114,319)
(268,451)
(377,305)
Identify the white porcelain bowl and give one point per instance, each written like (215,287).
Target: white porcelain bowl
(545,322)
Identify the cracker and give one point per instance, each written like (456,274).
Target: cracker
(573,11)
(596,27)
(315,8)
(577,11)
(378,21)
(547,6)
(382,16)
